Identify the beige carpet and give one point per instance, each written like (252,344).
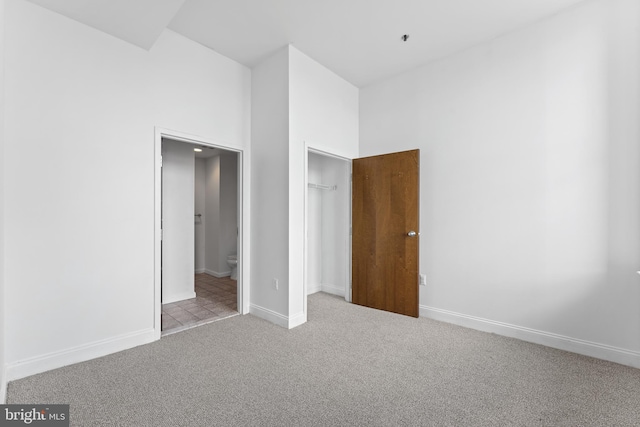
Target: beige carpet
(348,366)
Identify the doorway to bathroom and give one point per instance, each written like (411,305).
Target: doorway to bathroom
(199,219)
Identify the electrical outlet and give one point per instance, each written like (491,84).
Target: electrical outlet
(423,280)
(275,283)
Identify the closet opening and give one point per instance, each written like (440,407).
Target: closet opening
(328,224)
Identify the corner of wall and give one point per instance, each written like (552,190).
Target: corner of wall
(297,320)
(323,112)
(269,315)
(288,322)
(269,187)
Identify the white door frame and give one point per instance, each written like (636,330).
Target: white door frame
(327,152)
(243,215)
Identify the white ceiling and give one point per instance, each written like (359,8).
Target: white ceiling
(137,21)
(207,152)
(360,40)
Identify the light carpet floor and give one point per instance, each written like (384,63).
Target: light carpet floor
(347,366)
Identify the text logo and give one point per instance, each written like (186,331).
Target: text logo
(34,415)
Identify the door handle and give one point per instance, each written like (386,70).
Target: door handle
(412,234)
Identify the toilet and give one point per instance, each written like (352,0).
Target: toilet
(232,260)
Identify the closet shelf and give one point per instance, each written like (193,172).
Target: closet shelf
(323,187)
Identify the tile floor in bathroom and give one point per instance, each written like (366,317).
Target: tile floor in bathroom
(216,298)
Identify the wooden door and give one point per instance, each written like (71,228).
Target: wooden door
(385,212)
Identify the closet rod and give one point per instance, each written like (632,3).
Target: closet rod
(323,187)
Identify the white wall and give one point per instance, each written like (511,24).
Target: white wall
(295,101)
(3,384)
(199,222)
(212,216)
(178,242)
(221,212)
(228,208)
(530,198)
(323,113)
(269,187)
(81,211)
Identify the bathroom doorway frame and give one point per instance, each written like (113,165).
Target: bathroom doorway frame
(330,153)
(244,219)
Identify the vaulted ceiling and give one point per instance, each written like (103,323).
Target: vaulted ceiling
(360,40)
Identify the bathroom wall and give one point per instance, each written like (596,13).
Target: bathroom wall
(228,208)
(212,216)
(199,228)
(220,214)
(177,221)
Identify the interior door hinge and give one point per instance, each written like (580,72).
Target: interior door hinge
(160,161)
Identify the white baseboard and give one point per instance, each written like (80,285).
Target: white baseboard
(199,270)
(217,274)
(269,315)
(312,289)
(330,289)
(287,322)
(574,345)
(333,290)
(3,384)
(179,297)
(81,353)
(296,320)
